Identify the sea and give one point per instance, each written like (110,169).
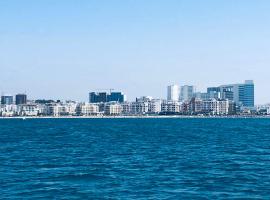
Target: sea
(144,158)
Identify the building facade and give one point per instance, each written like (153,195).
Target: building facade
(173,93)
(103,97)
(20,99)
(187,92)
(6,99)
(242,94)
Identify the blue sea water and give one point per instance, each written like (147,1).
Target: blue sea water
(135,159)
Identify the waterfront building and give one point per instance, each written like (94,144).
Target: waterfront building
(27,110)
(113,109)
(170,107)
(187,92)
(195,106)
(6,99)
(20,99)
(70,108)
(155,106)
(139,107)
(216,107)
(54,110)
(8,110)
(88,109)
(246,94)
(126,108)
(242,94)
(42,109)
(173,93)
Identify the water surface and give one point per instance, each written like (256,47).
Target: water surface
(135,159)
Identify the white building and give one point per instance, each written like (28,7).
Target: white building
(139,107)
(113,109)
(216,107)
(173,92)
(71,108)
(28,110)
(8,110)
(88,109)
(126,108)
(170,107)
(56,110)
(155,106)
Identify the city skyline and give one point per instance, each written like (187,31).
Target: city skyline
(223,100)
(64,50)
(242,94)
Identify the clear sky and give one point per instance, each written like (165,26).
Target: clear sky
(63,49)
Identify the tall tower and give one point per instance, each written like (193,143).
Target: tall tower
(187,92)
(173,93)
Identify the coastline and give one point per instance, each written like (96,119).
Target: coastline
(138,117)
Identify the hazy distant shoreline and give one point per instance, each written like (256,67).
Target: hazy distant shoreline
(130,117)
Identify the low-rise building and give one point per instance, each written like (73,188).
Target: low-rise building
(88,109)
(8,110)
(27,110)
(170,107)
(126,108)
(155,106)
(139,108)
(113,109)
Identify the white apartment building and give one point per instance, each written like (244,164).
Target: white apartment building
(28,110)
(126,108)
(155,106)
(170,107)
(56,110)
(71,108)
(113,109)
(139,107)
(88,109)
(216,107)
(8,110)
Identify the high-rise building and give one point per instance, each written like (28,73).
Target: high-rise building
(98,97)
(117,96)
(241,94)
(103,97)
(246,93)
(186,93)
(173,93)
(7,99)
(20,99)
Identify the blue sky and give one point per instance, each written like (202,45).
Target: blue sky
(63,49)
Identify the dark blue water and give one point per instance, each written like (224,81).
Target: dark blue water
(135,159)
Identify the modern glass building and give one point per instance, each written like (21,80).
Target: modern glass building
(187,92)
(6,99)
(116,96)
(98,97)
(20,99)
(241,94)
(103,97)
(246,94)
